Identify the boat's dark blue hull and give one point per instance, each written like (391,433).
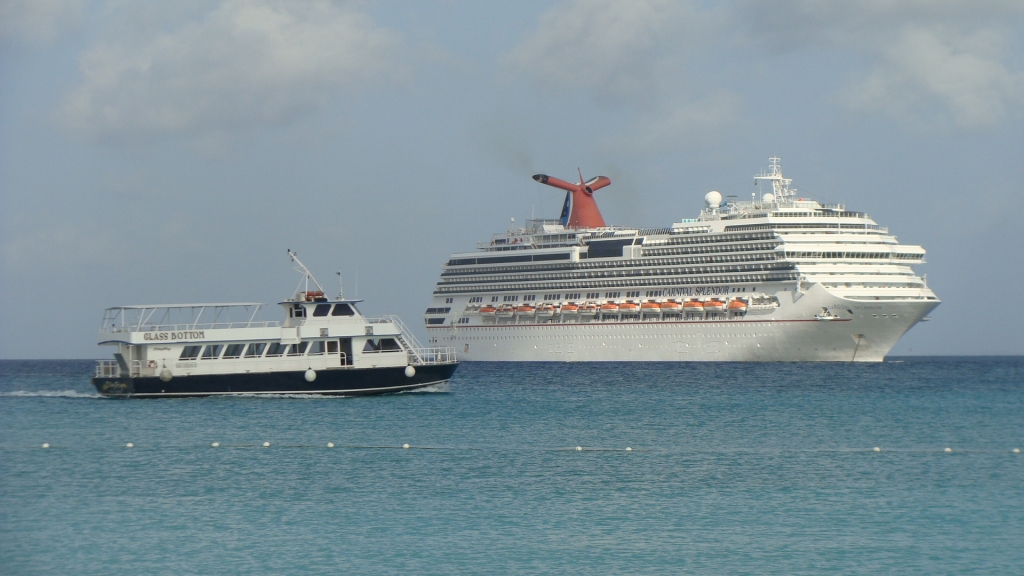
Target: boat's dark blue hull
(336,382)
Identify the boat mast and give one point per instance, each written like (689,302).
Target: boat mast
(306,274)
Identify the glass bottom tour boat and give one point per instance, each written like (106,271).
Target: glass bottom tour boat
(324,346)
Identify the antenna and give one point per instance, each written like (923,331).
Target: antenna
(306,274)
(341,286)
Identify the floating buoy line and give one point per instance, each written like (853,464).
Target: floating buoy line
(407,446)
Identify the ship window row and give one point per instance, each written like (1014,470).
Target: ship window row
(820,213)
(705,249)
(720,238)
(856,255)
(760,248)
(776,276)
(620,265)
(620,273)
(261,350)
(444,310)
(824,226)
(338,310)
(504,259)
(873,285)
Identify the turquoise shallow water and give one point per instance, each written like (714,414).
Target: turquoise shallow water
(735,468)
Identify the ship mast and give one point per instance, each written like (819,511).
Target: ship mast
(780,185)
(306,274)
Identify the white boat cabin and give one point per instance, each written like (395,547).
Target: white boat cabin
(221,338)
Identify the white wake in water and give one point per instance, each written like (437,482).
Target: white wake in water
(442,387)
(48,394)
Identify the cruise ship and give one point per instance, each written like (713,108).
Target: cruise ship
(773,278)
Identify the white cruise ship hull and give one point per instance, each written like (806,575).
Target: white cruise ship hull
(793,333)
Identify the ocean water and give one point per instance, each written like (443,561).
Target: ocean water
(734,468)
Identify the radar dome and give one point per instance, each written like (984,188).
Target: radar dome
(713,199)
(769,198)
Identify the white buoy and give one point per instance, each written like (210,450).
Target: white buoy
(215,444)
(628,449)
(1015,450)
(165,375)
(410,371)
(266,444)
(579,448)
(47,445)
(310,375)
(949,450)
(877,449)
(129,445)
(406,446)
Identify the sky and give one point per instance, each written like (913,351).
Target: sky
(158,152)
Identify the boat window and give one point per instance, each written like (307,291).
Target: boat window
(321,309)
(389,345)
(343,310)
(233,350)
(190,353)
(299,311)
(371,346)
(212,352)
(332,346)
(298,349)
(317,348)
(276,349)
(255,350)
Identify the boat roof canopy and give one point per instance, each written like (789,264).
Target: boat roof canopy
(199,305)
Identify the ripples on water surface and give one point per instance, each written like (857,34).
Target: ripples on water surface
(735,468)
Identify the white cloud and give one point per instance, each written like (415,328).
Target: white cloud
(238,66)
(690,123)
(610,48)
(37,22)
(643,54)
(924,70)
(927,61)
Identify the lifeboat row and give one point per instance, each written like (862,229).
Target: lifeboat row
(546,310)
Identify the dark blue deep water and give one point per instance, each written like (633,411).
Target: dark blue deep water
(735,468)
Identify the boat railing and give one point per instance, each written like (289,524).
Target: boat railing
(114,369)
(428,356)
(181,327)
(107,369)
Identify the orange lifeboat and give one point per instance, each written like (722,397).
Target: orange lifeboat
(628,307)
(545,310)
(737,305)
(714,305)
(588,309)
(570,309)
(650,306)
(610,308)
(693,306)
(525,310)
(670,307)
(487,310)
